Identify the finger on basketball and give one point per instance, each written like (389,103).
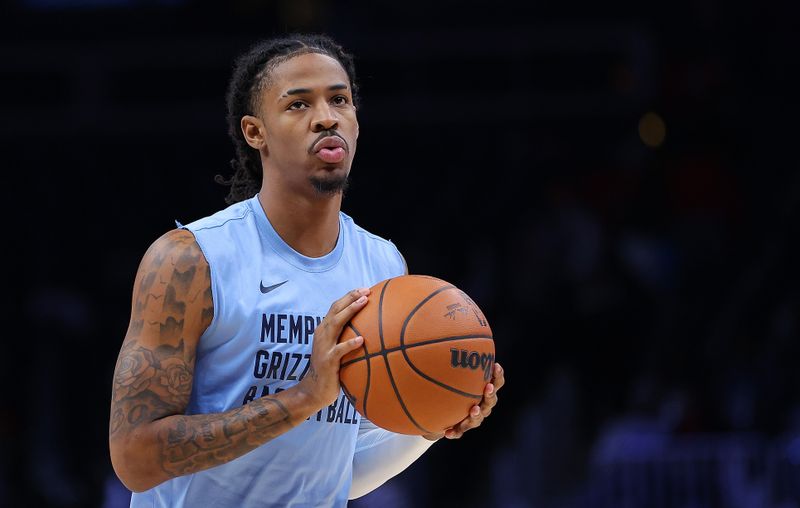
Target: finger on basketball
(487,405)
(473,420)
(345,347)
(498,378)
(489,397)
(457,430)
(342,317)
(452,434)
(343,302)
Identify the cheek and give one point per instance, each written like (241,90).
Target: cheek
(285,142)
(355,137)
(353,146)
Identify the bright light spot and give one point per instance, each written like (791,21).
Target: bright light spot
(652,130)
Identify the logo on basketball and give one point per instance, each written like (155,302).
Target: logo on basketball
(475,309)
(454,309)
(461,358)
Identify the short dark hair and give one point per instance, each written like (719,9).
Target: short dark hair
(250,75)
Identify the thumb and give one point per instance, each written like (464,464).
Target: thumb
(345,347)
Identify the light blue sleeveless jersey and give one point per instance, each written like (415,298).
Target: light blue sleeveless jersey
(268,299)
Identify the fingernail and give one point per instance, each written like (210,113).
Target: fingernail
(475,411)
(362,299)
(358,340)
(363,291)
(489,388)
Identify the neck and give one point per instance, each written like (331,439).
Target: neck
(308,223)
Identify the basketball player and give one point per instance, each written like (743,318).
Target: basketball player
(226,389)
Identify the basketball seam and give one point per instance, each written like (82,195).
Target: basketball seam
(408,360)
(443,385)
(386,362)
(416,344)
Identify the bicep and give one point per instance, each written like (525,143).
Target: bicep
(171,307)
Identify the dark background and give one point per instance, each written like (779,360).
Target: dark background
(616,185)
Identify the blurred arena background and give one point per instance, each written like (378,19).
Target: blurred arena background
(616,185)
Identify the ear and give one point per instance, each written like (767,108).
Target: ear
(253,130)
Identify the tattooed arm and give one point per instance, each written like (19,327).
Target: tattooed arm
(150,438)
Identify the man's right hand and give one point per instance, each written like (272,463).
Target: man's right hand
(321,383)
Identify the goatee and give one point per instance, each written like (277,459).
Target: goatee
(330,186)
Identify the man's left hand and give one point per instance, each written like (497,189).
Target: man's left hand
(478,412)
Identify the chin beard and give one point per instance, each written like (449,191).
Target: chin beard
(330,186)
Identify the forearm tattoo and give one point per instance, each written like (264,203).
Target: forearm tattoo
(172,298)
(193,443)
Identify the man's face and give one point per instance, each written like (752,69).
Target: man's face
(310,123)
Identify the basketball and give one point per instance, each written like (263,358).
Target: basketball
(427,355)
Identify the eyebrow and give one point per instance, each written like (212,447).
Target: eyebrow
(299,91)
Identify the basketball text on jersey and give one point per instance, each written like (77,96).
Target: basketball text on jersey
(272,365)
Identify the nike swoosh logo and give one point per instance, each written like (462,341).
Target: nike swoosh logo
(267,289)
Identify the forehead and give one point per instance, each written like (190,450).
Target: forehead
(308,70)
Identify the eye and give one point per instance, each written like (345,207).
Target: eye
(340,100)
(297,105)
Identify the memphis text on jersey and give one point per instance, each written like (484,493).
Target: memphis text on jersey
(275,369)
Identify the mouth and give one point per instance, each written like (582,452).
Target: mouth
(330,149)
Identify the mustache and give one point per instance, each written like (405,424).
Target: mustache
(325,134)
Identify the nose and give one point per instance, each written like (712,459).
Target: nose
(324,119)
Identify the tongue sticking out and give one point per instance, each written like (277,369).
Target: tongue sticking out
(331,154)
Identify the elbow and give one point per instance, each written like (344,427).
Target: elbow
(134,484)
(129,467)
(356,492)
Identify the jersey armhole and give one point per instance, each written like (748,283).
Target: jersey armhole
(402,258)
(405,264)
(216,297)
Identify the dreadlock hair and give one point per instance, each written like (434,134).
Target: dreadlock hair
(251,74)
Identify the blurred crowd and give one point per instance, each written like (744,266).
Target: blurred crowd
(628,223)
